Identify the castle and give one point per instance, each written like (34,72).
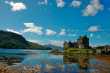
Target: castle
(82,42)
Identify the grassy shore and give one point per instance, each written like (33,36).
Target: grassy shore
(76,54)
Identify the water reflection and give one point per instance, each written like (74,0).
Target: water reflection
(53,63)
(79,56)
(43,59)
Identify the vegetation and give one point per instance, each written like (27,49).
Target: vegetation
(14,41)
(78,55)
(78,51)
(37,46)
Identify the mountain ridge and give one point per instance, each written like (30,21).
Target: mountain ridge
(17,41)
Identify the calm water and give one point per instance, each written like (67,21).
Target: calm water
(53,63)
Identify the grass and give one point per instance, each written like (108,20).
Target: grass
(76,54)
(78,50)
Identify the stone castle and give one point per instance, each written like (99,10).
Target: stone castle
(82,42)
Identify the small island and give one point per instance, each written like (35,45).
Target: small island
(56,52)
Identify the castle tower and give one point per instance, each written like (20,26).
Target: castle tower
(83,42)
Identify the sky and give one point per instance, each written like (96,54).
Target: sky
(56,21)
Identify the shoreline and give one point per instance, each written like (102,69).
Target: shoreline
(104,58)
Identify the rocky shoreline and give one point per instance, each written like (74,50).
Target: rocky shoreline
(10,60)
(4,68)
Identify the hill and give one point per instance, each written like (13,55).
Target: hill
(15,41)
(55,47)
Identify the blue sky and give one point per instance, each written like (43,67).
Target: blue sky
(55,21)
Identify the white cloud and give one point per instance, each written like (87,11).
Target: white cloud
(31,27)
(37,41)
(62,32)
(93,29)
(50,32)
(60,3)
(14,31)
(16,6)
(44,2)
(93,8)
(56,43)
(76,3)
(91,35)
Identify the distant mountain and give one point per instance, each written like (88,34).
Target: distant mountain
(38,46)
(54,47)
(13,41)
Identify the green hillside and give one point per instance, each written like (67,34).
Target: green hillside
(15,41)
